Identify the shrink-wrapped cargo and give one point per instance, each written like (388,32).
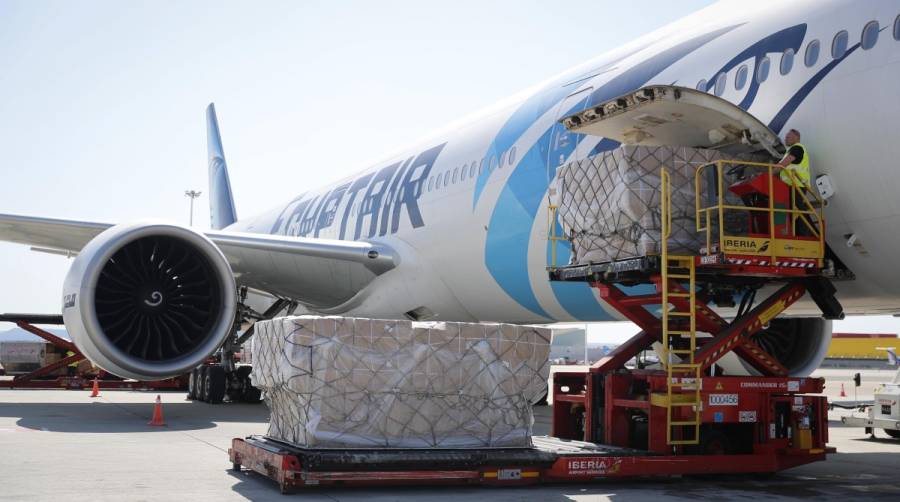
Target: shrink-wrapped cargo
(341,382)
(609,204)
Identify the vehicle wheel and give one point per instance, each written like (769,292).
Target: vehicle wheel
(892,433)
(215,384)
(713,442)
(202,382)
(250,393)
(192,384)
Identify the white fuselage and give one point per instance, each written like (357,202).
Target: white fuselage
(475,248)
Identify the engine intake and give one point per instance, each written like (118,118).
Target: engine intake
(149,300)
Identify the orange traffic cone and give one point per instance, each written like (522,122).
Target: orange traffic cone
(843,394)
(95,390)
(157,413)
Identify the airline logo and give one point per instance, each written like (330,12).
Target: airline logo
(379,197)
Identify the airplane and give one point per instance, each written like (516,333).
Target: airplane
(455,227)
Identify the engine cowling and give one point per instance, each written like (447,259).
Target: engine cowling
(800,344)
(149,300)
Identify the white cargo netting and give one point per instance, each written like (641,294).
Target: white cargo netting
(341,382)
(609,204)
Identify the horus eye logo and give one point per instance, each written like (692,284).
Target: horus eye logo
(764,247)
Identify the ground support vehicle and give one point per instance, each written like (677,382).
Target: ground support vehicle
(612,421)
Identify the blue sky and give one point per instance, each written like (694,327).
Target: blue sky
(102,117)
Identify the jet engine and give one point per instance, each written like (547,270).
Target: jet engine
(149,300)
(799,343)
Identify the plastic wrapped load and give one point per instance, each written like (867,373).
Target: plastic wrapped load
(342,382)
(609,204)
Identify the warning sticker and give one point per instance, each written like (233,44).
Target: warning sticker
(723,399)
(747,416)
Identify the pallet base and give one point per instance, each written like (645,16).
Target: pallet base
(551,460)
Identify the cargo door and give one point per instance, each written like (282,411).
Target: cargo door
(667,115)
(563,142)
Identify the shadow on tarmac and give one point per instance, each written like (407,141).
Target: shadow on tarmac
(100,416)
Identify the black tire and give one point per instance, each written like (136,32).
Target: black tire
(215,384)
(202,385)
(713,442)
(192,384)
(250,393)
(892,433)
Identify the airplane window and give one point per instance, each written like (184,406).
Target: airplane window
(812,54)
(897,28)
(762,70)
(869,35)
(512,152)
(462,172)
(455,174)
(502,160)
(701,85)
(430,182)
(480,166)
(720,84)
(787,61)
(492,164)
(740,79)
(447,178)
(839,44)
(473,169)
(437,182)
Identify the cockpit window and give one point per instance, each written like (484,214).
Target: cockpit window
(701,85)
(897,28)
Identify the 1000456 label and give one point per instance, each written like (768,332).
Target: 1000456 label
(723,399)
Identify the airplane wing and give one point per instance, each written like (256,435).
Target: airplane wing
(320,273)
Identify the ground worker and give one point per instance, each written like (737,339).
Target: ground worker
(72,368)
(796,162)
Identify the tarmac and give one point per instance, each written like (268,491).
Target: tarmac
(63,445)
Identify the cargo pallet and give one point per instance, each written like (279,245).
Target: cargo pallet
(610,421)
(42,378)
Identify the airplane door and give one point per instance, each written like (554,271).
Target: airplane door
(562,141)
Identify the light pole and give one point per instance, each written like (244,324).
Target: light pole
(192,194)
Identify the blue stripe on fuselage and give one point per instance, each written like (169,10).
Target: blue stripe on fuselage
(509,230)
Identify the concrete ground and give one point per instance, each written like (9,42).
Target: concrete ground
(63,445)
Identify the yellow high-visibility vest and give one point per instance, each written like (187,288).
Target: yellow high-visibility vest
(800,170)
(69,353)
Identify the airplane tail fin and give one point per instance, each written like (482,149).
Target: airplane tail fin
(221,202)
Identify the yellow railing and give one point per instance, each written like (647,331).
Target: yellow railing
(772,245)
(552,211)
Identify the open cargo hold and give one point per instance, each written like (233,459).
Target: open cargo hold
(609,203)
(341,382)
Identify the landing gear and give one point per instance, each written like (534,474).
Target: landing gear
(211,383)
(214,383)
